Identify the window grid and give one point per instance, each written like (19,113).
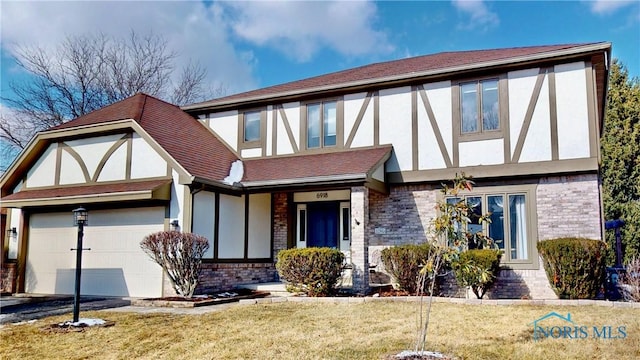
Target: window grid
(479,106)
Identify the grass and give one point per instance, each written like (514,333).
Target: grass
(325,331)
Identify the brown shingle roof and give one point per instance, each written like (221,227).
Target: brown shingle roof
(194,147)
(409,66)
(333,164)
(81,190)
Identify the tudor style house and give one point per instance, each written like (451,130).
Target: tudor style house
(352,160)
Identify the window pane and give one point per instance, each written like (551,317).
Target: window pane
(456,225)
(302,234)
(469,107)
(329,121)
(346,220)
(518,225)
(495,206)
(490,119)
(475,203)
(252,126)
(313,126)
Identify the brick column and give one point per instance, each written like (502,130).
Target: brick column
(359,239)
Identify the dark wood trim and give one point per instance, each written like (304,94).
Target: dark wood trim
(503,103)
(271,228)
(107,155)
(256,144)
(78,158)
(291,221)
(56,179)
(434,126)
(414,128)
(263,132)
(493,171)
(287,127)
(216,225)
(376,118)
(356,125)
(274,130)
(528,116)
(591,112)
(455,117)
(246,226)
(339,124)
(23,246)
(127,170)
(553,114)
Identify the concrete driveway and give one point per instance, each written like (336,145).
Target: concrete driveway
(15,309)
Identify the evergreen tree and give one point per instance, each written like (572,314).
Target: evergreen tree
(621,159)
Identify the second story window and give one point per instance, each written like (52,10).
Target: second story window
(251,126)
(479,106)
(321,124)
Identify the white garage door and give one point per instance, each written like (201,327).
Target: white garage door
(115,265)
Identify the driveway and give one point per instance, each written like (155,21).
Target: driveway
(24,308)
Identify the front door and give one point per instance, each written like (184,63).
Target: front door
(322,223)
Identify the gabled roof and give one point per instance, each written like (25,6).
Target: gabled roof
(398,70)
(186,140)
(341,166)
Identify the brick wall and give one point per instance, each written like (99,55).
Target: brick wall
(8,275)
(280,223)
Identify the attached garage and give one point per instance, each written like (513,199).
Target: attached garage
(115,265)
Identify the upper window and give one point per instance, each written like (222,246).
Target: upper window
(479,106)
(251,126)
(511,222)
(321,124)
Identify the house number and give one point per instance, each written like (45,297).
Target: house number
(322,195)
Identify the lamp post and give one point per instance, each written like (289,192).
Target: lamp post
(80,219)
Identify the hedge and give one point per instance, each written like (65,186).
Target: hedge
(575,267)
(313,271)
(403,263)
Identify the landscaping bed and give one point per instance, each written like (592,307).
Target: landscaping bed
(201,300)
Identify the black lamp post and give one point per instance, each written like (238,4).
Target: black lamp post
(80,218)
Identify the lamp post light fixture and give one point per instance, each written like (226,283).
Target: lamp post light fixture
(80,219)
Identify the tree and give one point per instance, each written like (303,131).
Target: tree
(85,73)
(621,158)
(180,256)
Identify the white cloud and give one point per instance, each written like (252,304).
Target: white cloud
(604,7)
(300,29)
(480,17)
(195,31)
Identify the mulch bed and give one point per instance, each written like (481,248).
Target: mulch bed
(222,297)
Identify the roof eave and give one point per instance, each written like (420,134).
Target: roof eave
(562,53)
(307,181)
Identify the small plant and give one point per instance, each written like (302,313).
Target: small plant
(180,256)
(477,269)
(403,263)
(630,283)
(575,267)
(313,271)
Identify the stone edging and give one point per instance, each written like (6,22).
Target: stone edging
(360,300)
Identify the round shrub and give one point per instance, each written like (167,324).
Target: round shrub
(313,271)
(403,263)
(477,269)
(575,267)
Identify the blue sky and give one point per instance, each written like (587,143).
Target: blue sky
(246,45)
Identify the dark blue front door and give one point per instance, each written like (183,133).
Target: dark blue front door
(322,223)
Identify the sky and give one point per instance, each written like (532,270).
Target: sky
(247,45)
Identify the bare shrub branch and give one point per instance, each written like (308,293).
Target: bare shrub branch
(180,256)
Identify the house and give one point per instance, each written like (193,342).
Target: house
(352,160)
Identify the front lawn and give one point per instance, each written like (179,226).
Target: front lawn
(327,331)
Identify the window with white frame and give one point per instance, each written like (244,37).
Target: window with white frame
(479,106)
(511,222)
(321,124)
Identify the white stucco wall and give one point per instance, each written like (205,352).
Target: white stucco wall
(537,145)
(521,84)
(204,218)
(485,152)
(259,226)
(231,229)
(92,150)
(429,154)
(42,173)
(395,126)
(573,119)
(145,161)
(70,170)
(352,105)
(225,124)
(115,167)
(439,94)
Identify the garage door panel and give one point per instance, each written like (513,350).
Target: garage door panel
(115,265)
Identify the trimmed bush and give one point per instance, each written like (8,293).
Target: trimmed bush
(403,263)
(575,267)
(477,269)
(313,271)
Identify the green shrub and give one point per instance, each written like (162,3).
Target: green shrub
(403,263)
(313,271)
(477,269)
(575,267)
